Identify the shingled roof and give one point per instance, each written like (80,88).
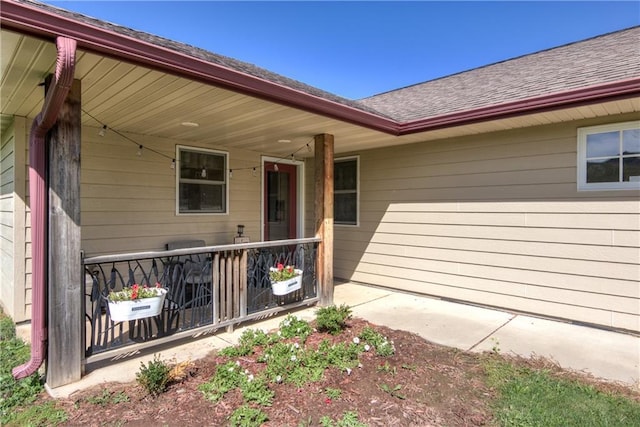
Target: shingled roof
(604,59)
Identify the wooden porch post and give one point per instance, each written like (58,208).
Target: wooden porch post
(324,215)
(66,279)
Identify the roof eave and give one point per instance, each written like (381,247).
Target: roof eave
(595,94)
(41,23)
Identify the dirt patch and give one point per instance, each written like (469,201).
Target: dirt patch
(423,384)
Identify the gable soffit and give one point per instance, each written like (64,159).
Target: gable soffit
(144,99)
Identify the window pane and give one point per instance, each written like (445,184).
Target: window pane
(631,141)
(345,208)
(345,175)
(202,198)
(603,144)
(631,169)
(606,170)
(192,164)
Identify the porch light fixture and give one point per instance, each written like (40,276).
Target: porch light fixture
(240,230)
(103,131)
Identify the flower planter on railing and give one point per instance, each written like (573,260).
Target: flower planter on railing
(140,308)
(284,287)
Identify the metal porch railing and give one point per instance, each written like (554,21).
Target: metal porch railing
(209,288)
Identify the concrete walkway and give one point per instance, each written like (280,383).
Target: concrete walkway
(604,354)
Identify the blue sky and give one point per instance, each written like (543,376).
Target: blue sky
(357,49)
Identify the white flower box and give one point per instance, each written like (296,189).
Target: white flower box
(121,311)
(287,286)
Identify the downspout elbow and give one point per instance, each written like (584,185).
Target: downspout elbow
(38,193)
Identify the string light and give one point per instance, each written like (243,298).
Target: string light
(203,172)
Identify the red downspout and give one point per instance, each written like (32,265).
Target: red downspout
(38,194)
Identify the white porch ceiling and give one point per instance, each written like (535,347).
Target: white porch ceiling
(141,101)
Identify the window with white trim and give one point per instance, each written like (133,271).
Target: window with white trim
(609,157)
(201,182)
(345,191)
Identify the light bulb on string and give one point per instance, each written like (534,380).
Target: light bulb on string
(139,153)
(103,131)
(230,173)
(308,148)
(253,172)
(275,167)
(203,172)
(173,164)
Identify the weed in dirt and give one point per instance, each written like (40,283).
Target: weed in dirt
(349,419)
(107,397)
(333,393)
(393,391)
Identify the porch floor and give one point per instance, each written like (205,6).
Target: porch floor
(610,355)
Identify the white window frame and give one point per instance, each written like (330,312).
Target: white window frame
(225,155)
(357,191)
(583,133)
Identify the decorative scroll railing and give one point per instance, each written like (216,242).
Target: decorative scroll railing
(208,288)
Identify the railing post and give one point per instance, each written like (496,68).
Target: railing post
(243,283)
(324,215)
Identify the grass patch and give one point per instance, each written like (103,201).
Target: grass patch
(14,394)
(528,397)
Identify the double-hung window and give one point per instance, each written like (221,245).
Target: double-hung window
(201,181)
(609,157)
(345,191)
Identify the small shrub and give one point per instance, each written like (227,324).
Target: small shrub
(333,319)
(154,376)
(246,416)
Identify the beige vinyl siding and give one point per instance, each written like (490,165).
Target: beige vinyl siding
(496,219)
(15,284)
(128,201)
